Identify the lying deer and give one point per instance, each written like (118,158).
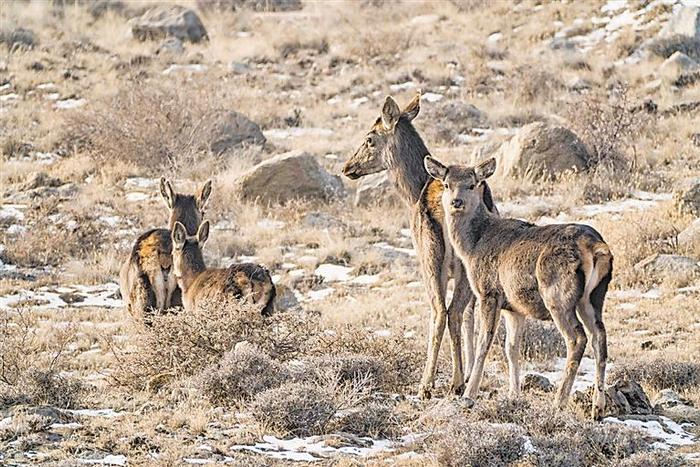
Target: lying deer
(247,282)
(558,272)
(393,144)
(145,279)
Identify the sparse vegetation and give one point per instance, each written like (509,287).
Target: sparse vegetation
(660,373)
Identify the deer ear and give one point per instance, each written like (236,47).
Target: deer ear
(204,195)
(434,168)
(167,192)
(390,113)
(485,169)
(179,236)
(203,233)
(413,107)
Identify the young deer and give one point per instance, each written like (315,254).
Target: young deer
(145,278)
(393,144)
(247,282)
(558,272)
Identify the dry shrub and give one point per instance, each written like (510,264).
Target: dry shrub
(343,369)
(655,459)
(659,374)
(535,84)
(375,419)
(299,409)
(30,363)
(240,375)
(478,444)
(541,341)
(182,344)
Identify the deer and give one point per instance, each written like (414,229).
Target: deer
(559,272)
(247,283)
(145,278)
(393,144)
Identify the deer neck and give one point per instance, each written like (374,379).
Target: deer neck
(192,266)
(467,229)
(405,165)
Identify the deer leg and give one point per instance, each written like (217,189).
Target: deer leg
(576,340)
(438,320)
(514,332)
(469,327)
(455,316)
(595,327)
(489,313)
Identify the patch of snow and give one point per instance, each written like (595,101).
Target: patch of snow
(334,272)
(271,224)
(321,294)
(584,378)
(136,196)
(667,431)
(105,413)
(248,259)
(141,182)
(9,97)
(109,459)
(432,97)
(5,422)
(425,19)
(46,86)
(297,132)
(308,259)
(651,294)
(5,87)
(69,103)
(386,246)
(641,202)
(15,229)
(193,68)
(365,279)
(358,102)
(69,426)
(613,5)
(495,37)
(52,96)
(11,211)
(403,86)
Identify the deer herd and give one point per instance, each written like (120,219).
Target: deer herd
(497,265)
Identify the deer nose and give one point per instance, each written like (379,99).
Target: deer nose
(457,203)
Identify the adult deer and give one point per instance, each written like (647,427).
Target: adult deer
(393,144)
(558,272)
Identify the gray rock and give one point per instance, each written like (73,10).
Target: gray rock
(288,176)
(239,68)
(171,46)
(624,398)
(540,150)
(232,130)
(688,200)
(535,382)
(676,65)
(671,405)
(452,118)
(376,189)
(322,220)
(669,265)
(164,21)
(255,5)
(685,22)
(285,299)
(689,238)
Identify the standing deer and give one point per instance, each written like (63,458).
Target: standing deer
(393,144)
(145,279)
(558,272)
(247,282)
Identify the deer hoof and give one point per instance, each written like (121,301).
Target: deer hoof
(457,390)
(424,392)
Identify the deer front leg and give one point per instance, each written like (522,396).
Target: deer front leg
(438,319)
(455,316)
(514,332)
(489,313)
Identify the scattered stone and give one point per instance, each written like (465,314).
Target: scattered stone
(322,220)
(688,201)
(535,382)
(255,5)
(171,46)
(376,189)
(671,405)
(676,65)
(453,118)
(685,22)
(71,297)
(292,175)
(233,130)
(695,138)
(539,150)
(239,68)
(624,398)
(689,238)
(669,265)
(285,299)
(163,21)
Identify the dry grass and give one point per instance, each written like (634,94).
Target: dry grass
(660,374)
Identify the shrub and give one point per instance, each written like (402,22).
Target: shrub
(240,375)
(478,444)
(375,419)
(343,369)
(654,459)
(659,374)
(299,409)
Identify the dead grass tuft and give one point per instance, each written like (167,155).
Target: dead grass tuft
(665,47)
(660,373)
(478,444)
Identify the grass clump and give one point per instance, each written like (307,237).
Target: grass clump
(659,374)
(479,444)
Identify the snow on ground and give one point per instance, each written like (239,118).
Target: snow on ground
(297,132)
(46,298)
(666,430)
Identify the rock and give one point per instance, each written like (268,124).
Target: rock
(535,382)
(685,22)
(579,84)
(676,65)
(695,138)
(239,68)
(322,221)
(688,201)
(689,238)
(255,5)
(66,191)
(171,46)
(232,130)
(669,265)
(285,299)
(163,21)
(539,150)
(288,176)
(671,405)
(38,180)
(453,118)
(18,37)
(625,397)
(376,189)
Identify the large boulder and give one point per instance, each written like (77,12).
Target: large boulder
(676,65)
(288,176)
(232,130)
(689,238)
(688,200)
(685,22)
(166,21)
(667,266)
(255,5)
(376,189)
(671,405)
(539,150)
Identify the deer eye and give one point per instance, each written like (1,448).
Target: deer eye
(370,140)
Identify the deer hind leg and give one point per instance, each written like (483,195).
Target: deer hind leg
(455,315)
(436,286)
(572,330)
(489,312)
(514,333)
